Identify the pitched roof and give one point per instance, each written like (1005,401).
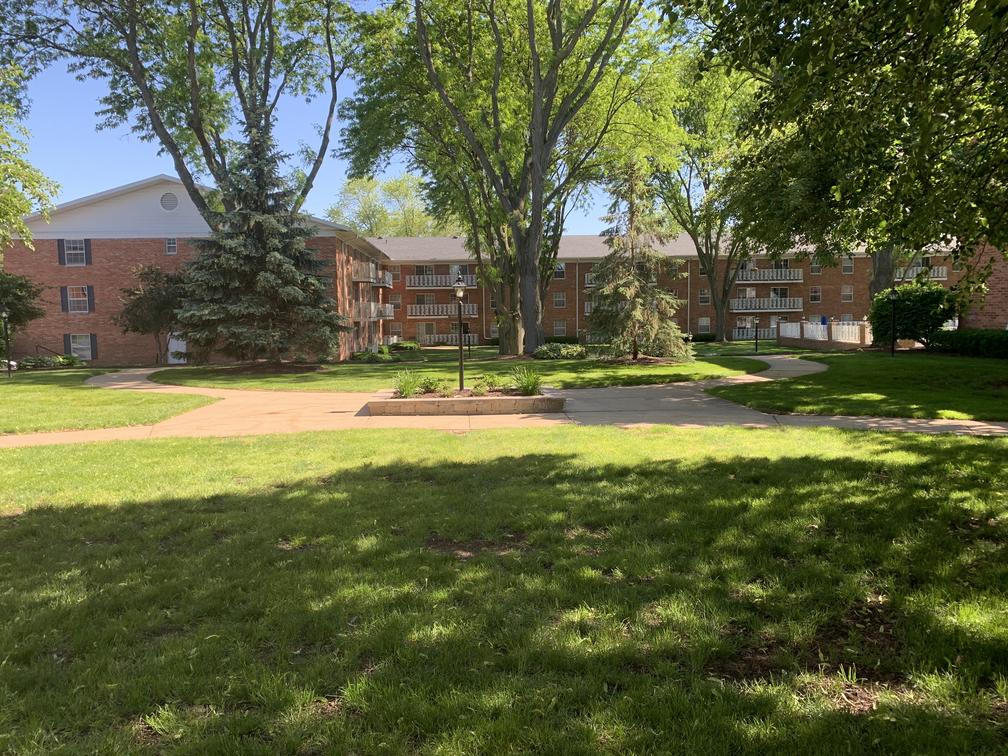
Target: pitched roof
(452,248)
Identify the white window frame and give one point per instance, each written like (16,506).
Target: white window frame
(79,247)
(815,268)
(559,299)
(78,305)
(589,279)
(425,298)
(847,266)
(815,294)
(171,247)
(81,352)
(559,327)
(396,272)
(423,270)
(785,289)
(561,272)
(426,329)
(395,300)
(588,307)
(847,317)
(703,325)
(395,328)
(703,296)
(847,293)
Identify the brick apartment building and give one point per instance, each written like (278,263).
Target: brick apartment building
(397,288)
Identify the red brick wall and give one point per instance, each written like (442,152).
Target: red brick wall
(993,311)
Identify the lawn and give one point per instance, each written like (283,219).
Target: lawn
(742,348)
(574,590)
(49,400)
(873,383)
(355,376)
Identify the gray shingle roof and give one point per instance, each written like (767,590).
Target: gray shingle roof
(452,248)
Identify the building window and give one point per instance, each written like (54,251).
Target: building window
(425,299)
(778,292)
(744,292)
(782,264)
(75,251)
(559,299)
(494,331)
(703,325)
(847,317)
(424,270)
(395,328)
(846,293)
(705,296)
(171,246)
(561,271)
(427,329)
(80,345)
(395,300)
(559,327)
(674,293)
(459,270)
(396,273)
(493,304)
(847,266)
(588,307)
(589,279)
(815,294)
(77,299)
(815,268)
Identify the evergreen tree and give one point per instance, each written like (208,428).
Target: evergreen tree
(254,289)
(629,309)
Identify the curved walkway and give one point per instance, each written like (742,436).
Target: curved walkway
(251,413)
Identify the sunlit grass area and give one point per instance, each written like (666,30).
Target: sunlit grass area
(742,348)
(872,383)
(48,400)
(355,376)
(567,590)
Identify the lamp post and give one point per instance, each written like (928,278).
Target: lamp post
(892,301)
(756,332)
(5,316)
(460,290)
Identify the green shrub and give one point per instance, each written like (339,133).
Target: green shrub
(562,340)
(670,343)
(492,381)
(558,351)
(527,380)
(479,389)
(374,357)
(696,338)
(45,362)
(971,342)
(922,308)
(406,384)
(405,346)
(432,384)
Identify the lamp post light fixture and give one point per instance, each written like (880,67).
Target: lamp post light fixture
(893,296)
(460,291)
(5,316)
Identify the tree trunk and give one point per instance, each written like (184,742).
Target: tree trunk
(720,316)
(530,305)
(509,333)
(883,271)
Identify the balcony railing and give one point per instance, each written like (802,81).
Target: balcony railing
(770,274)
(383,279)
(437,282)
(749,334)
(937,272)
(766,304)
(373,311)
(441,310)
(451,339)
(364,272)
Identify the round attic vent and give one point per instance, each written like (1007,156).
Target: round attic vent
(169,201)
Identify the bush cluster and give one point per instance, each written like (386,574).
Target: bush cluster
(382,355)
(560,351)
(697,338)
(43,362)
(971,342)
(527,380)
(921,308)
(405,346)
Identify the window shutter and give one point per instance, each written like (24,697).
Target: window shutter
(87,251)
(66,343)
(64,301)
(94,346)
(90,298)
(61,251)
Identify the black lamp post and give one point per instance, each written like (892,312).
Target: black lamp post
(460,290)
(756,332)
(5,316)
(893,296)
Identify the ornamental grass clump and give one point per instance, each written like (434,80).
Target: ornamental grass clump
(406,383)
(527,381)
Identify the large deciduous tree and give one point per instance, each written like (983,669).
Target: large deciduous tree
(388,207)
(19,298)
(149,307)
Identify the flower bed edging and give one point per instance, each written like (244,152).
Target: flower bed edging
(468,405)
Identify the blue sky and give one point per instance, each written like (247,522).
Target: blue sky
(66,145)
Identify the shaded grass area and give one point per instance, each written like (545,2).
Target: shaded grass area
(48,400)
(742,348)
(573,590)
(443,363)
(912,384)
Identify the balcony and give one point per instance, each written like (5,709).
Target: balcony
(372,274)
(451,339)
(749,334)
(441,310)
(437,282)
(383,280)
(936,272)
(767,304)
(770,274)
(372,311)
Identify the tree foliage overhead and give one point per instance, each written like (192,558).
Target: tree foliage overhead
(389,207)
(919,310)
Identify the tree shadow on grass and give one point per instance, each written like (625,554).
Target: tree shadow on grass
(529,602)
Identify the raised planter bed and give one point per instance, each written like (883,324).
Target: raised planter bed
(468,405)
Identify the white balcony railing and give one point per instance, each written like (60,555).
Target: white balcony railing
(749,334)
(437,282)
(937,272)
(766,304)
(770,274)
(390,340)
(364,272)
(373,311)
(441,310)
(789,330)
(383,279)
(451,339)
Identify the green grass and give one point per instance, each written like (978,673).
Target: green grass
(49,400)
(567,590)
(742,348)
(443,363)
(916,385)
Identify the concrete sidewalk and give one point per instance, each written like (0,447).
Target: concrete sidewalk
(250,413)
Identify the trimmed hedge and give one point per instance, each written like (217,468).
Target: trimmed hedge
(971,342)
(405,346)
(560,351)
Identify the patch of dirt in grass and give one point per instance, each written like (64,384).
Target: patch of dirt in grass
(327,708)
(285,544)
(144,734)
(509,543)
(855,698)
(12,512)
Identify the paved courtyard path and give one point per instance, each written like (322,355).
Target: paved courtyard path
(250,413)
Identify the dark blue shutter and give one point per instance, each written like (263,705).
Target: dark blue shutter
(66,343)
(64,300)
(61,251)
(87,251)
(94,347)
(90,298)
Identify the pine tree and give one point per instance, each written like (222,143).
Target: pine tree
(630,310)
(254,289)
